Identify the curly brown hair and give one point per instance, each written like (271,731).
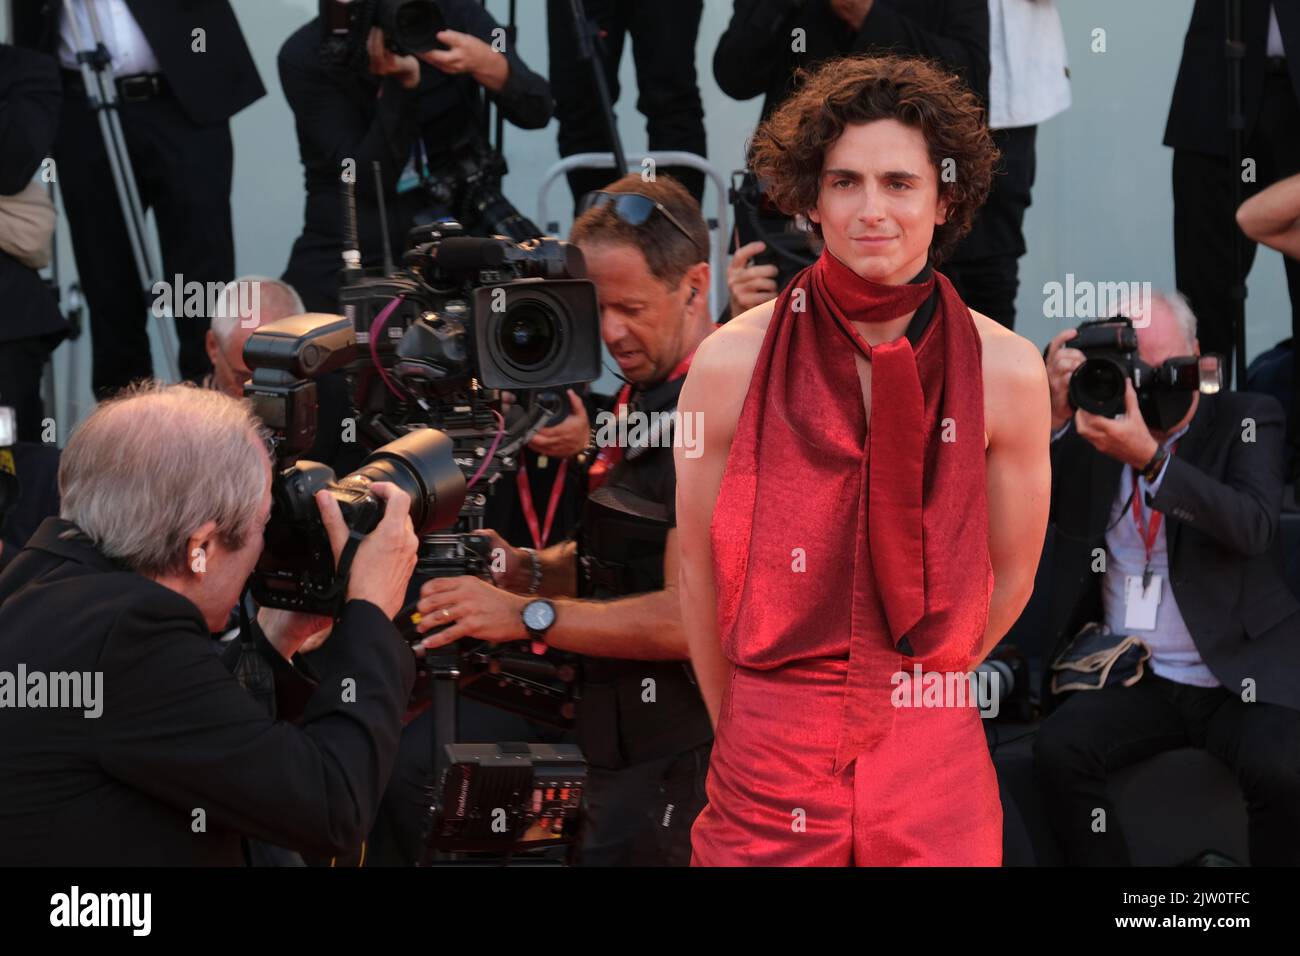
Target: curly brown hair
(789,148)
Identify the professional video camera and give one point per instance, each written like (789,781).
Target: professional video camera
(297,570)
(506,797)
(1164,392)
(410,26)
(464,318)
(790,244)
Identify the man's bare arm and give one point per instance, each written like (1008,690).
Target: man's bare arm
(1019,473)
(1272,216)
(715,389)
(641,627)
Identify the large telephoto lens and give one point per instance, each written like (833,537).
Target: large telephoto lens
(1097,386)
(527,335)
(423,465)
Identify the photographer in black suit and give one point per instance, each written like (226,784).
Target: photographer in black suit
(406,112)
(1202,178)
(162,756)
(182,71)
(1224,671)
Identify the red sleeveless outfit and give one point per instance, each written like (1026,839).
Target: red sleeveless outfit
(843,556)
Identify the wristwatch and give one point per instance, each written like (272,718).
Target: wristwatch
(1153,466)
(538,616)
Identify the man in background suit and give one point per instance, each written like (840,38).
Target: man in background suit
(1224,672)
(182,71)
(1198,132)
(30,324)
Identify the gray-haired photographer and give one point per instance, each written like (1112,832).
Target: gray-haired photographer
(1165,501)
(166,492)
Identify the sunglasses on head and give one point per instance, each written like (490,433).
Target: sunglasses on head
(633,208)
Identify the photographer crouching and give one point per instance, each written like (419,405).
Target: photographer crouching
(1166,501)
(124,739)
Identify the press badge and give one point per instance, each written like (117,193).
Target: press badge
(1140,604)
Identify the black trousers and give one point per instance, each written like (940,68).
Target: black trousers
(663,46)
(641,815)
(985,266)
(22,365)
(1205,222)
(183,173)
(1095,732)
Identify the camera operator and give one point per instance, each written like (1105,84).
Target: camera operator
(409,112)
(641,723)
(1183,492)
(170,760)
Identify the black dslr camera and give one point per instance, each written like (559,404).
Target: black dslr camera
(1164,392)
(410,26)
(297,570)
(789,246)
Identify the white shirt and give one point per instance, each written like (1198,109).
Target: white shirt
(1173,652)
(121,34)
(1028,82)
(1275,47)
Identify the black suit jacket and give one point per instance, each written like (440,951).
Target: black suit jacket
(1198,114)
(211,86)
(177,733)
(1221,499)
(30,94)
(755,53)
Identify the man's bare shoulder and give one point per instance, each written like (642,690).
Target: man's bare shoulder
(732,349)
(1015,379)
(1007,356)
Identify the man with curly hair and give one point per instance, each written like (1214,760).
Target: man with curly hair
(870,504)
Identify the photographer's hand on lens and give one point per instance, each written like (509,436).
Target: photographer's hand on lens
(749,285)
(384,62)
(384,561)
(568,437)
(1125,438)
(468,54)
(469,607)
(1061,363)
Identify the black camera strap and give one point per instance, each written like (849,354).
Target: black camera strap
(251,670)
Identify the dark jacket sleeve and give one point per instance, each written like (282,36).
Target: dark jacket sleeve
(754,46)
(962,45)
(1242,512)
(333,125)
(30,94)
(177,726)
(526,99)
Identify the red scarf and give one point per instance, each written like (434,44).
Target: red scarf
(898,526)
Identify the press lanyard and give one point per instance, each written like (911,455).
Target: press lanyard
(1148,535)
(540,537)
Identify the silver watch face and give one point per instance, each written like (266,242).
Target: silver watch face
(539,615)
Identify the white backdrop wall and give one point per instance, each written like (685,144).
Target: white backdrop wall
(1102,202)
